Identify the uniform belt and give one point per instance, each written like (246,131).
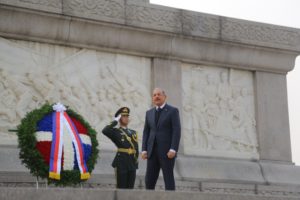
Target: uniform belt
(129,151)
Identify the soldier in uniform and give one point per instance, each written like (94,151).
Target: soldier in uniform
(126,140)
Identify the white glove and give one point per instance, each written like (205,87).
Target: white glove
(118,118)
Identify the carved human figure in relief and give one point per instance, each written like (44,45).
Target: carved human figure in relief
(26,103)
(38,84)
(9,82)
(135,94)
(210,90)
(224,89)
(8,102)
(22,94)
(196,123)
(223,125)
(210,101)
(243,120)
(55,81)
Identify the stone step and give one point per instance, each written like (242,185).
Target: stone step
(19,180)
(192,174)
(103,181)
(9,193)
(188,168)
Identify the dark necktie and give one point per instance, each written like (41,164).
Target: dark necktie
(157,115)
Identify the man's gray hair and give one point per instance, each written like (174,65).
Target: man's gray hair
(160,89)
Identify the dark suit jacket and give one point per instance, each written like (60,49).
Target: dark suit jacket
(166,133)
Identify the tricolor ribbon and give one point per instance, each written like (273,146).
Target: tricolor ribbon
(62,124)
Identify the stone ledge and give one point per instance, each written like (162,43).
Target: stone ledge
(191,173)
(89,194)
(25,180)
(218,170)
(228,188)
(278,190)
(37,26)
(281,174)
(144,15)
(187,169)
(54,6)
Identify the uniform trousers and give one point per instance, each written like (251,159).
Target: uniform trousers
(125,178)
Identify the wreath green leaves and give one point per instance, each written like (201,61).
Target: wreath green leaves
(33,159)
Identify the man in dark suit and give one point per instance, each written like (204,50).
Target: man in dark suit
(161,138)
(126,159)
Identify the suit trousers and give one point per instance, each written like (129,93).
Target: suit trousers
(154,164)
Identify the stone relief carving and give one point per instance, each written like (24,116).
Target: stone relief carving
(50,3)
(94,84)
(149,16)
(218,112)
(107,8)
(259,33)
(200,25)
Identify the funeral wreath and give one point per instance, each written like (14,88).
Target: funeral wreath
(57,144)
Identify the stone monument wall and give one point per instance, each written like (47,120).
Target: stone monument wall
(227,77)
(218,103)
